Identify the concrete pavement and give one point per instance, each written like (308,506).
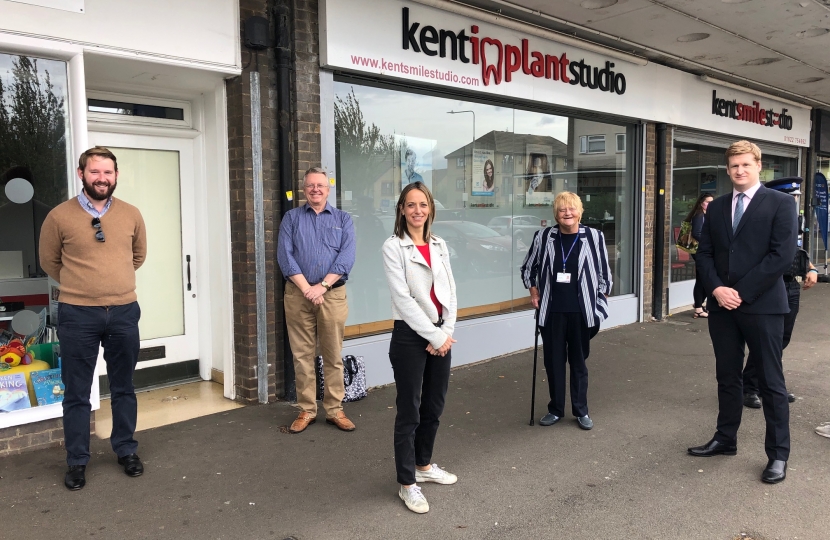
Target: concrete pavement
(652,393)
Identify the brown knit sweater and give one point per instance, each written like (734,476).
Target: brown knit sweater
(93,273)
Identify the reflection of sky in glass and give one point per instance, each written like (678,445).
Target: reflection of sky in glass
(56,69)
(423,116)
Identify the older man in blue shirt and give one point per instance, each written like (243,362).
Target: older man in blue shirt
(316,252)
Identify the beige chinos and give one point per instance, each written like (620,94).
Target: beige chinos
(308,324)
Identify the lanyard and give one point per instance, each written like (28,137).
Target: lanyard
(562,247)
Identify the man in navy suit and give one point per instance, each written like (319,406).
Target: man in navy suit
(747,244)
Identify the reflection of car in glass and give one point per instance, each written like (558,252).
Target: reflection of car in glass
(478,249)
(523,226)
(388,223)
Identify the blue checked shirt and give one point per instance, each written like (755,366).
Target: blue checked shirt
(86,204)
(316,245)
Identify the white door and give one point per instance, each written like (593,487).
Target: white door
(156,174)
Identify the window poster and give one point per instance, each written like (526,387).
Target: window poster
(416,159)
(538,179)
(484,172)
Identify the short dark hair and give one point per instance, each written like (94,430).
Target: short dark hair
(97,151)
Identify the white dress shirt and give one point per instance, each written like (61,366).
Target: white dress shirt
(748,193)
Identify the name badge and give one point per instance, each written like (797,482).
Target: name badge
(563,277)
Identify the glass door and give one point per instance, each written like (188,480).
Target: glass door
(156,175)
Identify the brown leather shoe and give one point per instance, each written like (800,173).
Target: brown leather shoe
(304,420)
(341,421)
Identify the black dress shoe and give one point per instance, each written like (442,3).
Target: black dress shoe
(132,465)
(775,472)
(713,448)
(75,477)
(752,401)
(790,397)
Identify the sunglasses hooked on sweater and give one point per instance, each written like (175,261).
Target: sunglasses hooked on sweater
(99,234)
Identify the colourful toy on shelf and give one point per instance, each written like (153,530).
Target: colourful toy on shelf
(14,354)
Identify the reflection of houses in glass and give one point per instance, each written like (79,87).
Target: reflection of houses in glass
(518,160)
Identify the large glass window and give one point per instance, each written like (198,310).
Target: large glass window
(494,172)
(698,169)
(34,169)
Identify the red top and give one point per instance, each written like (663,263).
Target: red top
(425,252)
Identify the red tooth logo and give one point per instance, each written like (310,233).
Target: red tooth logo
(495,70)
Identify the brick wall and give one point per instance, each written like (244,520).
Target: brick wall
(242,214)
(649,220)
(304,122)
(648,223)
(306,89)
(35,436)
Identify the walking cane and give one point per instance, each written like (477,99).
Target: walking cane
(535,358)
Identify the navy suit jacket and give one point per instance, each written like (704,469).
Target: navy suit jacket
(753,258)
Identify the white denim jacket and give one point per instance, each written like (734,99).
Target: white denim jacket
(410,280)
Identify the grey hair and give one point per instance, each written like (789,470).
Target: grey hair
(315,170)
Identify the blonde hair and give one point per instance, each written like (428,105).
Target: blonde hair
(565,199)
(743,147)
(400,218)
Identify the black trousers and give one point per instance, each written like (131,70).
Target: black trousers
(566,338)
(698,293)
(81,330)
(731,331)
(421,380)
(794,297)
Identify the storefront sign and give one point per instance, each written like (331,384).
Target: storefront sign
(507,59)
(750,113)
(413,42)
(821,205)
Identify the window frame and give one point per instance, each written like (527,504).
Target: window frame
(617,137)
(585,144)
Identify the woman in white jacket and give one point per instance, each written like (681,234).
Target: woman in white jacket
(417,266)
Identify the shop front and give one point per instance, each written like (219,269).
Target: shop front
(159,105)
(496,118)
(699,166)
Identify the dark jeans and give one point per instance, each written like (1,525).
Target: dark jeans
(81,330)
(421,381)
(731,333)
(794,297)
(566,338)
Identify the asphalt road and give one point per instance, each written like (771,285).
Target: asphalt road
(652,393)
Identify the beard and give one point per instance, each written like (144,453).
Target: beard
(89,189)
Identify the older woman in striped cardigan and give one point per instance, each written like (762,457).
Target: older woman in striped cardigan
(569,279)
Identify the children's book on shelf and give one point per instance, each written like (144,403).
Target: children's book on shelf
(14,394)
(48,386)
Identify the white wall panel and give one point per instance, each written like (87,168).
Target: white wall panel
(203,31)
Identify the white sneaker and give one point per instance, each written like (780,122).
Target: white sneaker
(414,499)
(823,430)
(435,474)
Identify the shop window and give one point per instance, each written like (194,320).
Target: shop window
(35,173)
(493,190)
(620,142)
(592,144)
(698,169)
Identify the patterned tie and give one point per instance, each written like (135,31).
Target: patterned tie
(739,212)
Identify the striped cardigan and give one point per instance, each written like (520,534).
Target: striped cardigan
(594,273)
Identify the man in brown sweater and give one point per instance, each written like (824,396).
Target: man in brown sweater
(92,245)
